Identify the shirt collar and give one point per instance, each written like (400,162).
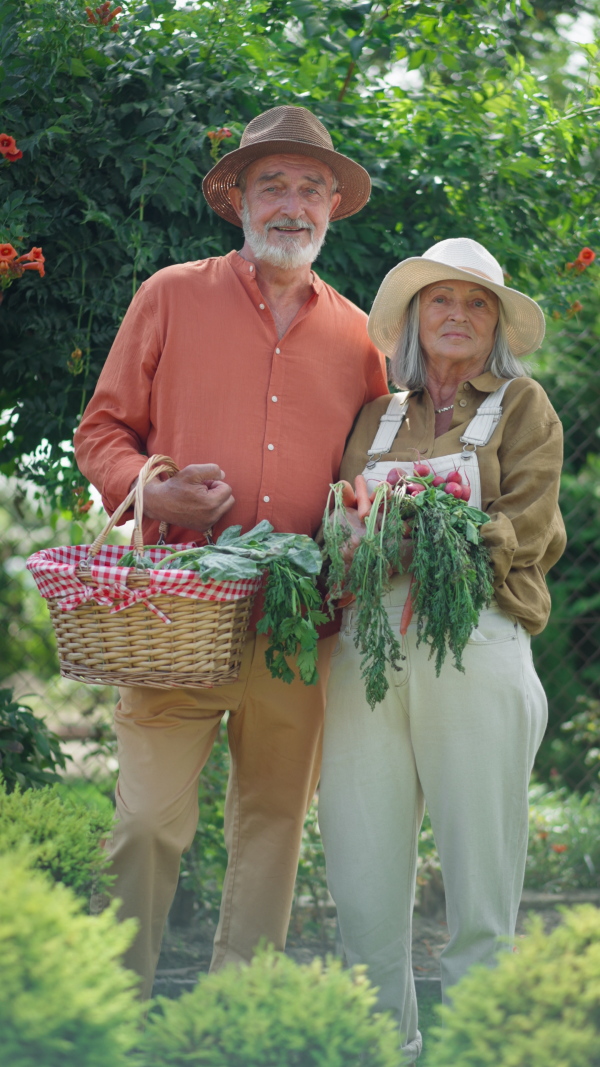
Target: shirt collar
(242,267)
(487,382)
(484,383)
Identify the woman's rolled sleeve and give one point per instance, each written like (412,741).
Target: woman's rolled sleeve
(526,534)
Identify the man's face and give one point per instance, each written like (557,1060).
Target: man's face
(285,208)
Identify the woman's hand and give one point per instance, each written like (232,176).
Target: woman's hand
(357,532)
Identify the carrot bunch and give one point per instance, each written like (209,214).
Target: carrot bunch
(450,573)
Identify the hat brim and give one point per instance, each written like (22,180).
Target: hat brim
(354,183)
(525,323)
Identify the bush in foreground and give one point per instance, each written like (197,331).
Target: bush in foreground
(61,837)
(65,1001)
(273,1013)
(539,1007)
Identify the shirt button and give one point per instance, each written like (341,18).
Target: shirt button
(270,447)
(266,499)
(277,350)
(465,386)
(462,403)
(262,307)
(274,399)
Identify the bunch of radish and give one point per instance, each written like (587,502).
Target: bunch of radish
(424,476)
(450,572)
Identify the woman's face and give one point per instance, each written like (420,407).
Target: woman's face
(457,322)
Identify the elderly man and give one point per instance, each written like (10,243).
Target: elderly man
(248,371)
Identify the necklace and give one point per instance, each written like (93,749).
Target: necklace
(438,411)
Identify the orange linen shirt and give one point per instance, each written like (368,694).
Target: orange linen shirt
(198,373)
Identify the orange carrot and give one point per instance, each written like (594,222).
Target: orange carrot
(363,502)
(348,495)
(407,611)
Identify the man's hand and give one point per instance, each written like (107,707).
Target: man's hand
(195,498)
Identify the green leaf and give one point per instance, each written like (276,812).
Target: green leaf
(78,69)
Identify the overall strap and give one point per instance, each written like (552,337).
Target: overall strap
(389,424)
(481,428)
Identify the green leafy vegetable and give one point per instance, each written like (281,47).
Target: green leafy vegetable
(292,611)
(452,573)
(369,579)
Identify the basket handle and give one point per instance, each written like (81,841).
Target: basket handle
(154,466)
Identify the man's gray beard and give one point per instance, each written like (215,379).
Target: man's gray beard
(288,255)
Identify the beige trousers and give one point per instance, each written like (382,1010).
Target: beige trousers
(464,744)
(164,740)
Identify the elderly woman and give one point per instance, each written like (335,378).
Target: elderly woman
(461,743)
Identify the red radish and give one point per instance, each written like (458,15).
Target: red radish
(394,476)
(454,476)
(414,488)
(438,480)
(454,489)
(422,469)
(466,492)
(363,502)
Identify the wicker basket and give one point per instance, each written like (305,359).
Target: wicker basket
(192,639)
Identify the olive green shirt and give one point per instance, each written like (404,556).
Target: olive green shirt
(520,477)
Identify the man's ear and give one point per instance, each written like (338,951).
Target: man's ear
(335,199)
(235,199)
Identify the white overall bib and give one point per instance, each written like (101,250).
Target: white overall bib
(464,744)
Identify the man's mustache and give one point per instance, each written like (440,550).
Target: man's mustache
(289,224)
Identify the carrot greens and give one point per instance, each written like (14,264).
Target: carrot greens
(450,568)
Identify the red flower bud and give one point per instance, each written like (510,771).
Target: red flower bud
(34,255)
(7,143)
(586,256)
(39,267)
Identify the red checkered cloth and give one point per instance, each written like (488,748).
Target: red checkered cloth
(55,573)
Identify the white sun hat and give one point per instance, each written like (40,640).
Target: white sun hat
(462,259)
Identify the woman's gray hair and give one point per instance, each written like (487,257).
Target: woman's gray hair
(407,366)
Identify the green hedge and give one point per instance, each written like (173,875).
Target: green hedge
(540,1007)
(273,1013)
(60,837)
(65,1001)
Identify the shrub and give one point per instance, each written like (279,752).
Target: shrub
(539,1006)
(60,837)
(30,753)
(564,840)
(273,1013)
(65,1001)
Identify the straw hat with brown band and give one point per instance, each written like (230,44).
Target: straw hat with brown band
(462,259)
(290,130)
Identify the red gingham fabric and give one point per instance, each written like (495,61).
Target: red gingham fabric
(54,570)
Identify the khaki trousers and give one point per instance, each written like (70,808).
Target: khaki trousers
(164,740)
(464,744)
